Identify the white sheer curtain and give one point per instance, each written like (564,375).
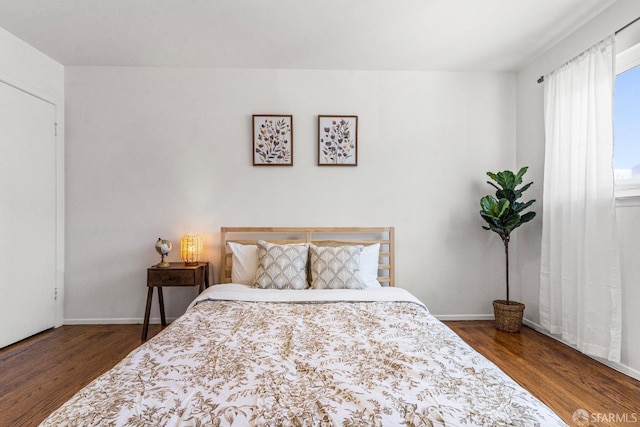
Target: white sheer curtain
(580,267)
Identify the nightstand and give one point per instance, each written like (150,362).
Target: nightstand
(177,274)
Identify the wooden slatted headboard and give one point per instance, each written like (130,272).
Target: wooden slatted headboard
(319,236)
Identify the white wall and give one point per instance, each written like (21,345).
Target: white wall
(28,69)
(530,151)
(161,152)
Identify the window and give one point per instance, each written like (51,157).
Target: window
(626,123)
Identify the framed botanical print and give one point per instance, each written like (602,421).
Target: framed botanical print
(272,140)
(337,140)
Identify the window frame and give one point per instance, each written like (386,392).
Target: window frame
(627,194)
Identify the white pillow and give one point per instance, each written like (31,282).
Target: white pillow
(369,258)
(244,263)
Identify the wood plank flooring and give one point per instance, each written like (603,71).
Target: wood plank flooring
(39,374)
(563,378)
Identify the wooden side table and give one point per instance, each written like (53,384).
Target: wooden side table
(177,274)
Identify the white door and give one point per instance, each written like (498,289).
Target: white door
(27,214)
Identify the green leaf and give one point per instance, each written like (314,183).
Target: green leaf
(511,222)
(490,220)
(519,191)
(502,208)
(494,208)
(519,207)
(525,187)
(507,180)
(486,202)
(493,176)
(527,217)
(508,194)
(521,172)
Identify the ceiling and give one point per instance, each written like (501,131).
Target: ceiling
(449,35)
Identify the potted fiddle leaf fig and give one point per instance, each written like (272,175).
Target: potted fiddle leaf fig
(503,214)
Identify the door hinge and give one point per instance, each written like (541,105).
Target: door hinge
(55,129)
(55,294)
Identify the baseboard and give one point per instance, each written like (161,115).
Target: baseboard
(454,317)
(111,321)
(633,373)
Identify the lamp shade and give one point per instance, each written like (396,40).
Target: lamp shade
(191,248)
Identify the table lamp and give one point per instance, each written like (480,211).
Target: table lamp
(191,249)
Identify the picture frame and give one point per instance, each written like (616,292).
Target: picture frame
(272,139)
(337,140)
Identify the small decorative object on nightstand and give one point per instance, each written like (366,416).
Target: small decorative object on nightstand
(175,274)
(163,247)
(191,249)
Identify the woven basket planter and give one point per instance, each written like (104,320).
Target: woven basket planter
(508,316)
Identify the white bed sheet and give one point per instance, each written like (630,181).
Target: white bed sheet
(240,292)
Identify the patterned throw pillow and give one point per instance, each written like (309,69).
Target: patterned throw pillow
(281,266)
(335,267)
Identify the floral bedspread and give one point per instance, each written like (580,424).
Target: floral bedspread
(340,363)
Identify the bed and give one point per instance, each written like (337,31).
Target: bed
(352,350)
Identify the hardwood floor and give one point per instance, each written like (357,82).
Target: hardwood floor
(561,377)
(39,374)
